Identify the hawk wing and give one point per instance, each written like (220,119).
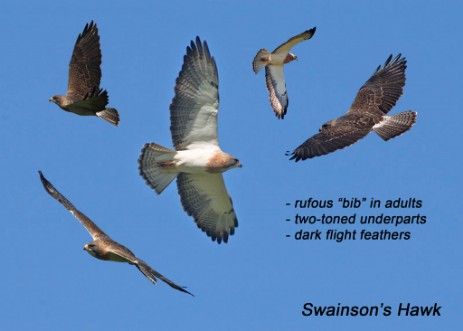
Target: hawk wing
(91,227)
(286,46)
(205,197)
(194,108)
(383,89)
(84,68)
(152,274)
(94,101)
(333,137)
(276,85)
(123,253)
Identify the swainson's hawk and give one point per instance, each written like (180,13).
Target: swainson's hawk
(197,161)
(84,96)
(103,247)
(274,75)
(368,112)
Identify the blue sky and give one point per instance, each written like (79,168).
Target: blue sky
(261,279)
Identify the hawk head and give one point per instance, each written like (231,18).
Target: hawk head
(231,162)
(93,249)
(290,57)
(235,163)
(327,125)
(60,100)
(221,162)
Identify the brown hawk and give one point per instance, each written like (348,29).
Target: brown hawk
(103,247)
(368,112)
(84,96)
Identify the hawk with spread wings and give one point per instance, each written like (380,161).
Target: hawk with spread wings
(197,161)
(103,247)
(368,112)
(84,96)
(274,75)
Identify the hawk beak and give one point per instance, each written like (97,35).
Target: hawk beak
(50,100)
(86,247)
(239,165)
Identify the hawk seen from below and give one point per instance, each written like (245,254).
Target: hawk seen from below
(197,161)
(274,74)
(103,247)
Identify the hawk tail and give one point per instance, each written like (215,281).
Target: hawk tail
(393,126)
(109,115)
(155,165)
(261,59)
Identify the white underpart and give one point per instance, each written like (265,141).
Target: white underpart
(381,123)
(278,58)
(195,158)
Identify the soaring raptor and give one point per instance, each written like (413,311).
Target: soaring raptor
(84,96)
(197,161)
(274,75)
(368,112)
(103,247)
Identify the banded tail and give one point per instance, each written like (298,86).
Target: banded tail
(393,126)
(261,59)
(109,115)
(154,164)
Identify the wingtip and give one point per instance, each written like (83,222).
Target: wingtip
(90,26)
(199,47)
(46,184)
(221,236)
(183,289)
(294,156)
(196,45)
(42,178)
(308,34)
(200,42)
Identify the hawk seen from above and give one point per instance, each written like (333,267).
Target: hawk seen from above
(197,161)
(368,112)
(274,74)
(103,247)
(84,96)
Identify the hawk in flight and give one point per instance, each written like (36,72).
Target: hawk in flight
(274,75)
(197,161)
(84,96)
(103,247)
(368,112)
